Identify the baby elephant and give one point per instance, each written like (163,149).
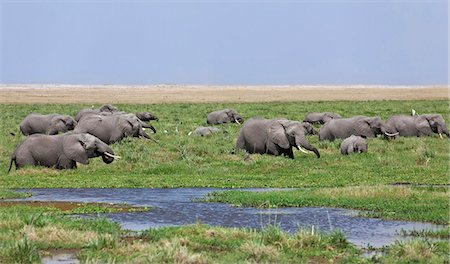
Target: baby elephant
(147,116)
(353,144)
(224,116)
(47,124)
(205,131)
(60,151)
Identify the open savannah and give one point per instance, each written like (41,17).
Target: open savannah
(363,181)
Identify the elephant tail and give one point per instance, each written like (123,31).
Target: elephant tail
(13,159)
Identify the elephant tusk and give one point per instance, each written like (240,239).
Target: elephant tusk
(440,135)
(237,121)
(190,133)
(301,149)
(112,156)
(391,135)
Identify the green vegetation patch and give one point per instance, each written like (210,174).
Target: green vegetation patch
(29,233)
(391,202)
(180,160)
(10,194)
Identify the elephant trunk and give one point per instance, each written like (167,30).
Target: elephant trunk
(106,152)
(444,130)
(302,142)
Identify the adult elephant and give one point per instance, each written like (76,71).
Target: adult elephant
(106,108)
(275,137)
(320,118)
(418,125)
(224,116)
(46,124)
(60,151)
(113,128)
(354,144)
(358,125)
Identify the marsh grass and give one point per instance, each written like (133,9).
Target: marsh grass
(392,202)
(180,160)
(416,251)
(23,252)
(10,194)
(100,241)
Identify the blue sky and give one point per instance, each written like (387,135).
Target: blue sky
(224,42)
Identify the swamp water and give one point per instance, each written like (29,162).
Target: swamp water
(175,207)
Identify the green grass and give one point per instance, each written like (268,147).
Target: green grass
(188,161)
(405,203)
(10,194)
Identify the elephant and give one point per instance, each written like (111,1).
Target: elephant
(354,144)
(275,137)
(47,124)
(107,108)
(60,151)
(224,116)
(113,128)
(205,131)
(418,125)
(320,118)
(147,116)
(358,125)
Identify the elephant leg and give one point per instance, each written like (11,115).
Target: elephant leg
(290,153)
(65,163)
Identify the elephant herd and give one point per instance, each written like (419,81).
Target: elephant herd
(278,136)
(94,130)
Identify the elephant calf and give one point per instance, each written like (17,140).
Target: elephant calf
(205,131)
(224,116)
(47,124)
(418,125)
(275,137)
(147,116)
(353,144)
(320,118)
(60,151)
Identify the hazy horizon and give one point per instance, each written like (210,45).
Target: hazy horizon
(344,43)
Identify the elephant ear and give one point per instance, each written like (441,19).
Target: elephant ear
(277,133)
(74,148)
(56,124)
(126,127)
(423,124)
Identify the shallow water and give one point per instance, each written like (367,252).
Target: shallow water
(175,207)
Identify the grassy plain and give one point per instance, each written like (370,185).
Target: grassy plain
(180,160)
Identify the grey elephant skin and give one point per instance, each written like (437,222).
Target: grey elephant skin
(418,125)
(275,137)
(60,151)
(107,108)
(147,116)
(345,127)
(46,124)
(224,116)
(112,128)
(205,131)
(354,144)
(320,118)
